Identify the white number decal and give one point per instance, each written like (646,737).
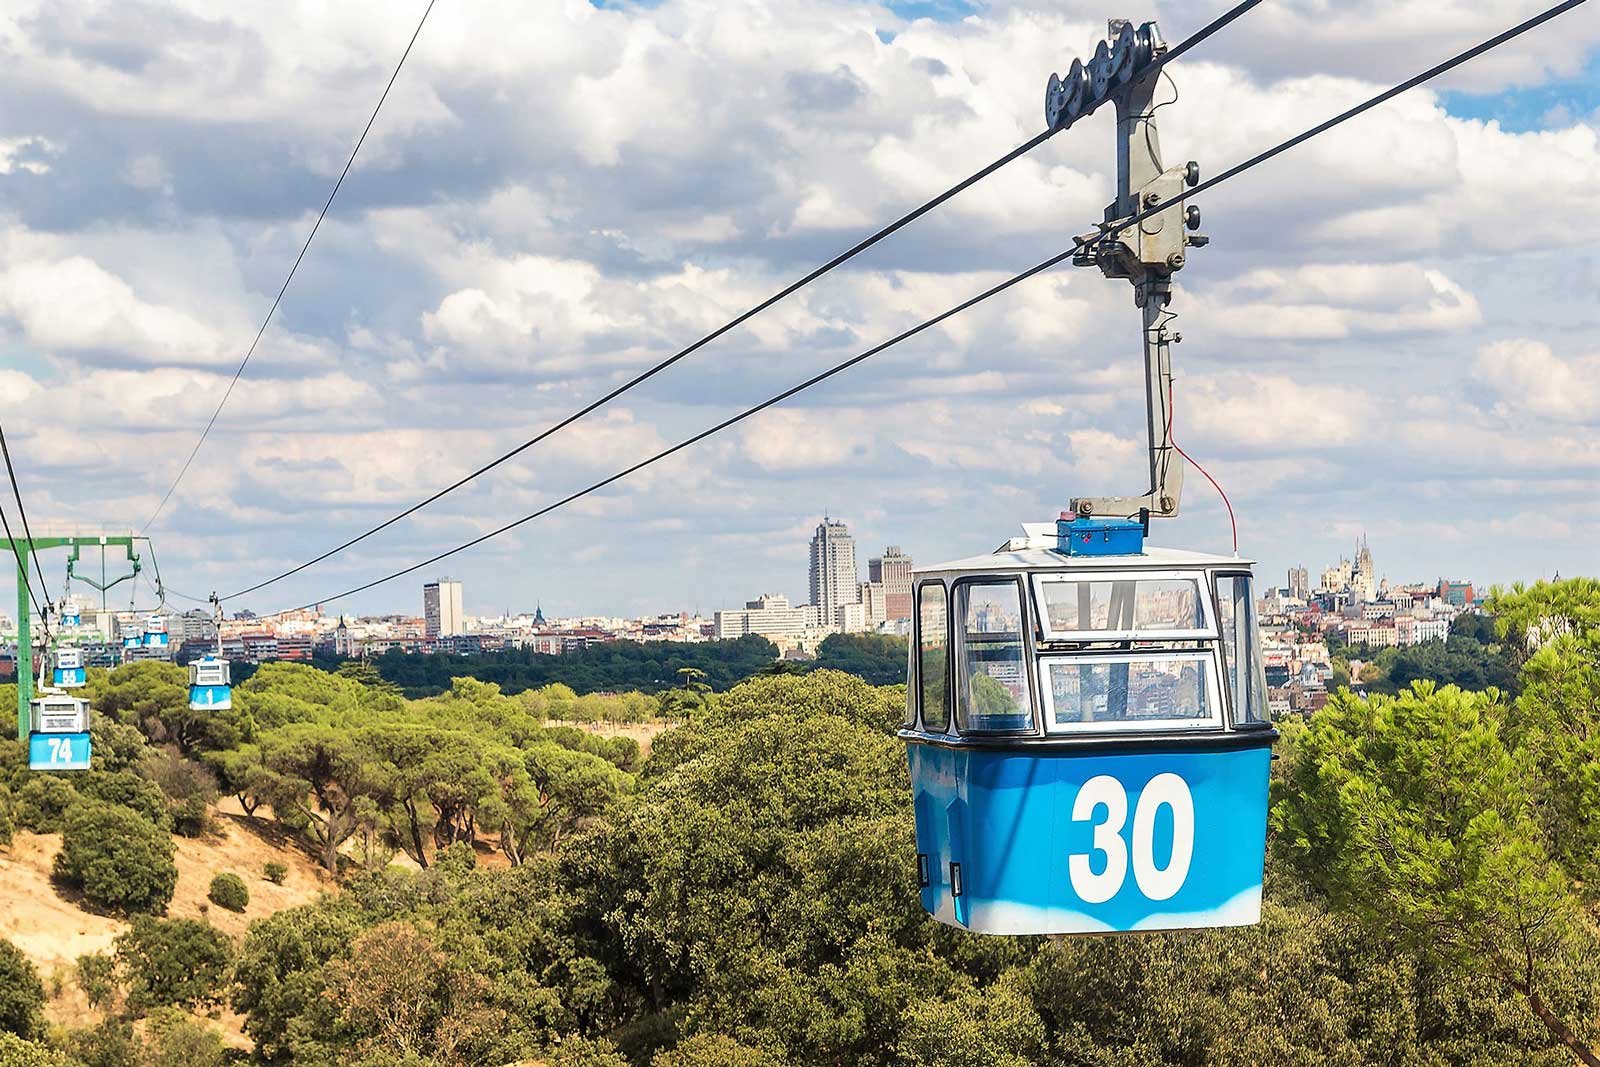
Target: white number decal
(1098,888)
(60,750)
(1156,883)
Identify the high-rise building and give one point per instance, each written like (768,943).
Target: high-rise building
(1300,582)
(441,609)
(834,579)
(893,571)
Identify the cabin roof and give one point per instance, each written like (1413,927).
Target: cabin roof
(1036,550)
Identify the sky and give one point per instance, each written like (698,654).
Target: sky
(1392,330)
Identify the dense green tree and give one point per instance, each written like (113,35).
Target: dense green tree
(118,858)
(1416,816)
(175,1039)
(8,824)
(280,984)
(1526,616)
(878,659)
(42,802)
(128,790)
(317,778)
(609,666)
(21,994)
(113,1043)
(716,1050)
(17,1052)
(173,963)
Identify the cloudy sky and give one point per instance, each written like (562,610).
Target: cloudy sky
(1393,329)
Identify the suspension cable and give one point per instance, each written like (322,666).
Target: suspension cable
(843,257)
(271,311)
(1105,231)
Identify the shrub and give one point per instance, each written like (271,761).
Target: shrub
(118,858)
(189,817)
(21,994)
(97,977)
(275,872)
(111,1044)
(8,825)
(167,963)
(15,1052)
(228,891)
(128,790)
(176,1040)
(42,803)
(583,1052)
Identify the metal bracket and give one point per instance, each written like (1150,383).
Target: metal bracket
(1147,254)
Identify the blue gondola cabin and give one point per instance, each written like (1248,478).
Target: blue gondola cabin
(155,632)
(209,685)
(67,670)
(1088,740)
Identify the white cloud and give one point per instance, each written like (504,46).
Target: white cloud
(550,201)
(1527,377)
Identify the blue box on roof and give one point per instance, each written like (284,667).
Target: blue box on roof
(1099,537)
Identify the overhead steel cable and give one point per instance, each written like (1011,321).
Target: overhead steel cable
(271,311)
(843,257)
(27,531)
(837,368)
(1105,230)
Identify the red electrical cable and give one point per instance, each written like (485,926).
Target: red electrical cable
(1232,522)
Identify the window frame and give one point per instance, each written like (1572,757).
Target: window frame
(1206,631)
(1167,726)
(1260,678)
(949,704)
(958,658)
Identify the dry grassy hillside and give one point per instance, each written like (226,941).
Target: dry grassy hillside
(48,925)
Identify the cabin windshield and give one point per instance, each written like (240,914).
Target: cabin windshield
(1129,691)
(1093,607)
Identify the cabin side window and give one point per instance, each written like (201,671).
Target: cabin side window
(933,653)
(994,673)
(1247,681)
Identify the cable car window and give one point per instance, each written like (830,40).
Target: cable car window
(1241,643)
(933,647)
(1138,691)
(1103,607)
(994,675)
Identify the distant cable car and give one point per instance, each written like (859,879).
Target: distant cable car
(71,612)
(67,671)
(155,631)
(1086,718)
(58,738)
(132,639)
(209,684)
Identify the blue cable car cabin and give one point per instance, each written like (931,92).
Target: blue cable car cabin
(1088,741)
(58,733)
(155,631)
(209,684)
(67,670)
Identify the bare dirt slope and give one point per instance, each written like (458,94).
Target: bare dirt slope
(53,931)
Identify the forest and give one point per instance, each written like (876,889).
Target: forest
(511,889)
(604,667)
